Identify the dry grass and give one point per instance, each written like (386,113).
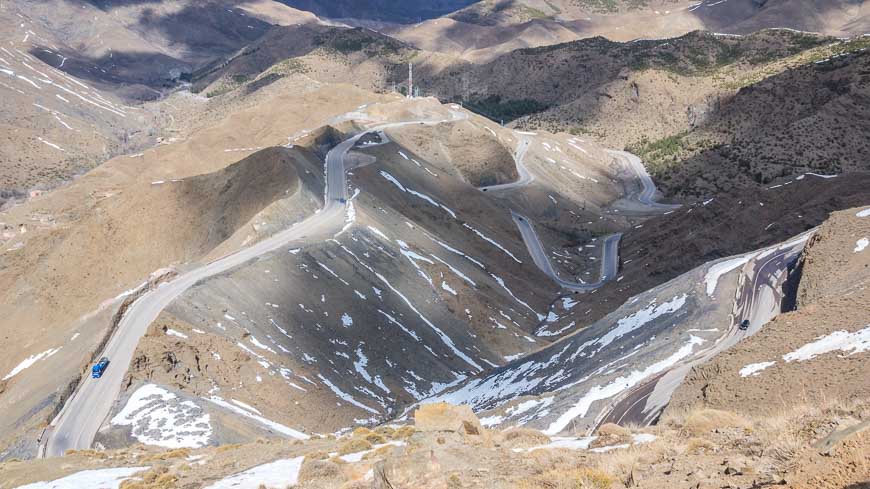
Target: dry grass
(697,446)
(704,421)
(524,438)
(621,464)
(354,445)
(86,453)
(231,446)
(404,432)
(320,473)
(361,432)
(578,478)
(610,434)
(610,429)
(318,455)
(370,436)
(157,477)
(385,431)
(169,454)
(381,452)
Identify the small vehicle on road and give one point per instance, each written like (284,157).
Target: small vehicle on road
(99,368)
(744,325)
(342,200)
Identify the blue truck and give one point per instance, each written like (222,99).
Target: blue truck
(99,368)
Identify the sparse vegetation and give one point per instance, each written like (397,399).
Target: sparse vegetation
(523,437)
(577,478)
(499,109)
(354,445)
(158,477)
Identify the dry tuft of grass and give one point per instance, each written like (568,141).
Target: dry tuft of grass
(379,452)
(86,453)
(318,455)
(353,446)
(524,438)
(610,434)
(157,477)
(611,429)
(320,473)
(231,446)
(385,431)
(578,478)
(698,446)
(169,454)
(404,432)
(361,432)
(704,421)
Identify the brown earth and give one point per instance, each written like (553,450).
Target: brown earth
(479,155)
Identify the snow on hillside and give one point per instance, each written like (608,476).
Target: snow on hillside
(274,475)
(158,417)
(89,479)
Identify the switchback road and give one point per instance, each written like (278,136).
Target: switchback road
(89,406)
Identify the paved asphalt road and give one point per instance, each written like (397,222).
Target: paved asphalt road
(759,301)
(648,191)
(609,257)
(525,177)
(81,417)
(610,252)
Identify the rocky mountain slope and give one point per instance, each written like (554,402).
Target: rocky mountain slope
(73,74)
(484,30)
(709,114)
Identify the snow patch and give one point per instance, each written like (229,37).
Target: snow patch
(277,427)
(856,342)
(89,479)
(754,369)
(346,320)
(618,385)
(27,362)
(273,475)
(157,417)
(716,271)
(172,332)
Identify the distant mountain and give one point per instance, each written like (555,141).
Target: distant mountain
(399,11)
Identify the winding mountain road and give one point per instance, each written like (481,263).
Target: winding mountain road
(648,188)
(758,300)
(609,257)
(525,177)
(83,414)
(610,250)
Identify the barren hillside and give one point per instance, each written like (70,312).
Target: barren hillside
(486,29)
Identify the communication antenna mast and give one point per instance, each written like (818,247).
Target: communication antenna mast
(410,80)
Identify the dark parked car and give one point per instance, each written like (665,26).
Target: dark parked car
(744,325)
